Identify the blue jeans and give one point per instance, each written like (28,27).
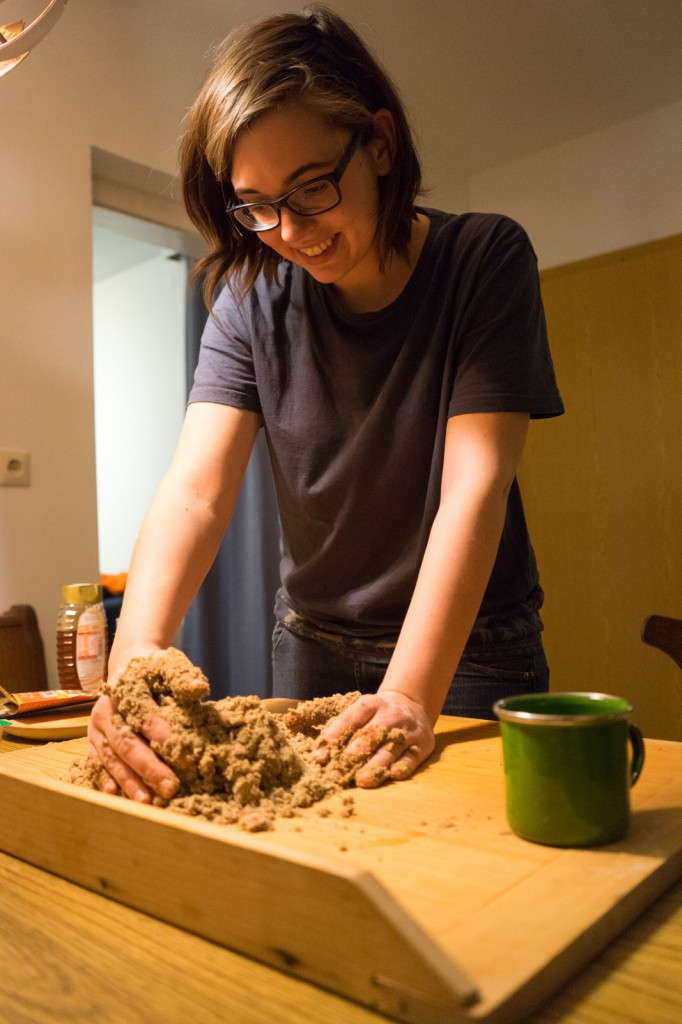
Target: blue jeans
(304,668)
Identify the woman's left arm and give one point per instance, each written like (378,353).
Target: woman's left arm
(482,455)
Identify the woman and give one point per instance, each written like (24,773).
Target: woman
(394,356)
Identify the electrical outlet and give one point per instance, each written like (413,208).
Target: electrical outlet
(15,469)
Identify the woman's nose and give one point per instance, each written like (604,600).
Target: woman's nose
(290,224)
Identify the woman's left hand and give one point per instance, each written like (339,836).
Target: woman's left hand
(370,719)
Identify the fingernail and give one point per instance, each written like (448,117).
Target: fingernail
(141,796)
(109,786)
(167,788)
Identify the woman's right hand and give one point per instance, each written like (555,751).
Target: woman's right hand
(129,762)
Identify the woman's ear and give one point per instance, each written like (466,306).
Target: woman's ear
(382,144)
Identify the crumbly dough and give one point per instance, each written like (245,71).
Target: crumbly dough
(237,762)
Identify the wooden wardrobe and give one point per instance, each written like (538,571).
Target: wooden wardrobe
(602,485)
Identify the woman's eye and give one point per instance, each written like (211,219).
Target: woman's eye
(308,191)
(261,212)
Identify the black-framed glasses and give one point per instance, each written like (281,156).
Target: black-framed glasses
(307,200)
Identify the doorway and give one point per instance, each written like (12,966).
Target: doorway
(146,334)
(139,300)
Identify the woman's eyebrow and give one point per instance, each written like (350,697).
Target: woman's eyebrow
(313,165)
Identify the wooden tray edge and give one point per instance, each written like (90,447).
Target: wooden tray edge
(78,834)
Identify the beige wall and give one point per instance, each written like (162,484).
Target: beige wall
(119,76)
(609,190)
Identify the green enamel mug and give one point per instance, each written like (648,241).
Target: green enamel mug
(570,760)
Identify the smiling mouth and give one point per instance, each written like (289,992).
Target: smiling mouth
(317,250)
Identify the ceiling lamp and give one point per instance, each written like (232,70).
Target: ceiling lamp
(17,41)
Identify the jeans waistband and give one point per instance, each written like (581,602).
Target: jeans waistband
(489,632)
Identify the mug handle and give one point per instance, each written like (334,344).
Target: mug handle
(637,742)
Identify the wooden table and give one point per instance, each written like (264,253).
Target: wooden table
(70,954)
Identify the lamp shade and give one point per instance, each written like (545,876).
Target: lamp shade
(17,41)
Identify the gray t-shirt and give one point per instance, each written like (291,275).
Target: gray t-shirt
(355,408)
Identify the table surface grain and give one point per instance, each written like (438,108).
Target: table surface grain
(70,954)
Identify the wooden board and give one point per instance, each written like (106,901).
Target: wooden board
(48,726)
(422,904)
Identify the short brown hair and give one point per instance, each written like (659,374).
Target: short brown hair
(312,57)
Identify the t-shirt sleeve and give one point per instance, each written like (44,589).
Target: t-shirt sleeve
(225,370)
(504,362)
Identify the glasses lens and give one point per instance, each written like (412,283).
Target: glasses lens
(314,197)
(257,218)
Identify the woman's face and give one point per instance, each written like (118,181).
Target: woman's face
(289,146)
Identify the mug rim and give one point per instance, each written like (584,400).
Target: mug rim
(507,714)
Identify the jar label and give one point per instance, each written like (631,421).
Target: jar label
(90,649)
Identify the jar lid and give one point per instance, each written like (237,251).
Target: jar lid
(82,593)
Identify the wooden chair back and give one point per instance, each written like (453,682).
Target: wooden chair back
(665,633)
(22,655)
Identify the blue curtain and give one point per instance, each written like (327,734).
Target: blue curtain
(228,627)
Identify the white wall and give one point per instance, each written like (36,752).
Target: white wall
(605,191)
(140,393)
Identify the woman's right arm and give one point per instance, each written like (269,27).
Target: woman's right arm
(177,544)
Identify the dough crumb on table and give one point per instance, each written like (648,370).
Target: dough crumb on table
(237,762)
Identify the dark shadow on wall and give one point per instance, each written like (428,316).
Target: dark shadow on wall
(228,628)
